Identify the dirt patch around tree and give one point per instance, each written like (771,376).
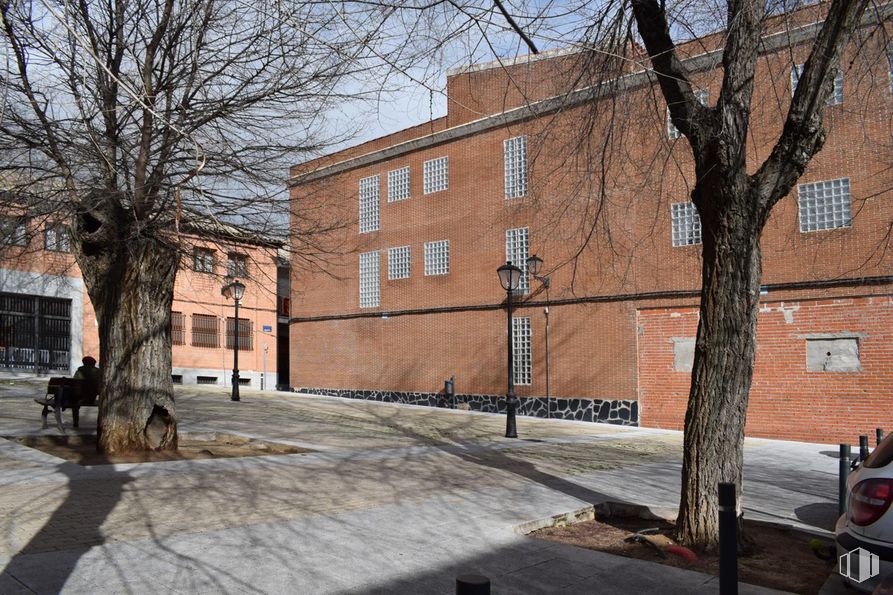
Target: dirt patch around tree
(778,558)
(81,449)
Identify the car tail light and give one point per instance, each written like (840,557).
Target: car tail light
(870,500)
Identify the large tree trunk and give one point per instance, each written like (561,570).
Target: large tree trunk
(130,280)
(723,368)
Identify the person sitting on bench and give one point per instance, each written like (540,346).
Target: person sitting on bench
(92,376)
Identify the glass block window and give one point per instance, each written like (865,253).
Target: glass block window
(203,260)
(836,96)
(369,205)
(521,354)
(237,265)
(686,224)
(14,231)
(703,96)
(890,62)
(516,252)
(57,237)
(398,184)
(205,331)
(370,286)
(515,152)
(178,328)
(246,333)
(398,263)
(435,175)
(824,205)
(437,257)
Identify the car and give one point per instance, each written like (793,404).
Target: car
(867,524)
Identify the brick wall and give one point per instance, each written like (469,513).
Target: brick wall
(786,400)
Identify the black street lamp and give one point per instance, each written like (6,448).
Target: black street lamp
(510,279)
(534,266)
(234,291)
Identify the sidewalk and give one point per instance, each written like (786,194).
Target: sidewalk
(395,499)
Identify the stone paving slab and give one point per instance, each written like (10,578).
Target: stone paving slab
(395,499)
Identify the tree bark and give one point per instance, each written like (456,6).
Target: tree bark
(722,371)
(130,280)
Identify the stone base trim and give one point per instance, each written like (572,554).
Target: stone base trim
(619,411)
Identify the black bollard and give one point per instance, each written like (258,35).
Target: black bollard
(472,584)
(728,540)
(863,447)
(842,477)
(878,435)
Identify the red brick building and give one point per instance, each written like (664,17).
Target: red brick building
(528,160)
(47,322)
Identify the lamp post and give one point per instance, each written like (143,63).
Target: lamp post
(510,279)
(534,265)
(234,291)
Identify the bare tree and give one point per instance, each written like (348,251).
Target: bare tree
(130,119)
(734,198)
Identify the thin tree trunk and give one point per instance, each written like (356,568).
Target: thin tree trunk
(130,281)
(722,372)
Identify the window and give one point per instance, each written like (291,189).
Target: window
(890,62)
(370,289)
(203,260)
(246,334)
(14,231)
(521,350)
(398,263)
(686,224)
(703,96)
(836,95)
(398,184)
(824,205)
(515,154)
(206,379)
(178,328)
(237,265)
(369,208)
(435,175)
(516,252)
(437,258)
(57,237)
(205,331)
(833,354)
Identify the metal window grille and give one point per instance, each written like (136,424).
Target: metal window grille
(435,176)
(686,224)
(369,207)
(516,252)
(836,95)
(521,351)
(237,265)
(246,333)
(437,258)
(515,155)
(824,205)
(370,284)
(57,237)
(203,260)
(398,262)
(703,96)
(35,332)
(205,331)
(14,231)
(178,328)
(398,184)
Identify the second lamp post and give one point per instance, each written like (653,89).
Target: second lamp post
(234,291)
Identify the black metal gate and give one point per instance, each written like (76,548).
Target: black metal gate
(35,332)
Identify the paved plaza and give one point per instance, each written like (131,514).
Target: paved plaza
(392,499)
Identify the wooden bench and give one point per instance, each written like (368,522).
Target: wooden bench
(70,393)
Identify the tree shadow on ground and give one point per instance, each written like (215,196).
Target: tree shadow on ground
(71,531)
